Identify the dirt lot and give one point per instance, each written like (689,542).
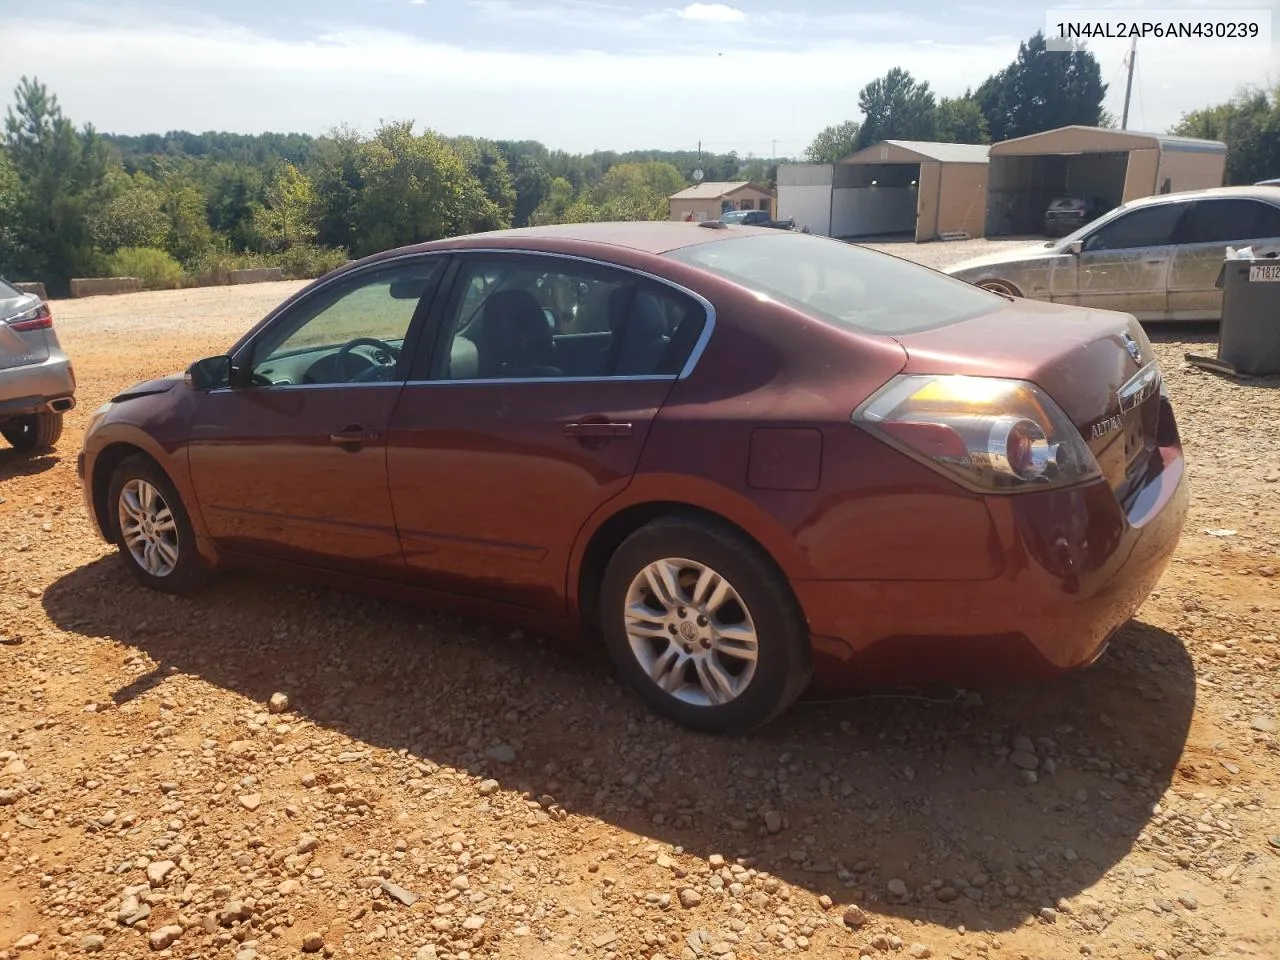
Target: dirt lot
(434,788)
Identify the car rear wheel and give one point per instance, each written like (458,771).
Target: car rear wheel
(1000,287)
(152,528)
(702,627)
(39,431)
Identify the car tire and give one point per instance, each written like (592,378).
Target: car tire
(1000,288)
(39,431)
(688,661)
(151,527)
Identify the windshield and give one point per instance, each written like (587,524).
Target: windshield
(840,283)
(733,216)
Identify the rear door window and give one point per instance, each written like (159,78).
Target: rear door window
(1229,221)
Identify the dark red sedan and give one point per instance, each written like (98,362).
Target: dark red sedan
(748,459)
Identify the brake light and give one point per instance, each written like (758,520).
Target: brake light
(989,434)
(37,318)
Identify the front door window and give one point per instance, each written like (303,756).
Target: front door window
(354,333)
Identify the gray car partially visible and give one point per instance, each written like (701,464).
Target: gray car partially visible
(37,382)
(1157,258)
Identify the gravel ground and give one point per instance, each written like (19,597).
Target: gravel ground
(268,769)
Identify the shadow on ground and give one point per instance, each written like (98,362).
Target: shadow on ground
(15,463)
(870,791)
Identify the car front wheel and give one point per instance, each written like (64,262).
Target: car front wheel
(152,527)
(702,627)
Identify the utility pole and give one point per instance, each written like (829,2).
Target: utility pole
(1128,87)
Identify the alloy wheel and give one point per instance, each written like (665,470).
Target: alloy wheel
(148,527)
(691,632)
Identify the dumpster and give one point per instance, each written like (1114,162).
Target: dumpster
(1249,335)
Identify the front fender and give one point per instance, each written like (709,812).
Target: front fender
(157,425)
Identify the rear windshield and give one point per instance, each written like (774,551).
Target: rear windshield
(7,292)
(840,283)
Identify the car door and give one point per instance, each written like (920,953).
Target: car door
(1124,264)
(501,446)
(1203,237)
(289,462)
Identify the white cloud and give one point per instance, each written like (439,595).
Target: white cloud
(712,13)
(417,3)
(140,74)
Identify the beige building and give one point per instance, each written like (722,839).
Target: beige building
(1111,166)
(893,188)
(909,186)
(706,201)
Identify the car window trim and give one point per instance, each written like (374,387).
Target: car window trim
(413,334)
(420,371)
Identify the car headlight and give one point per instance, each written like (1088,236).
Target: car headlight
(97,415)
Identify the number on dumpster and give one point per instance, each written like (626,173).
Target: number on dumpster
(1264,273)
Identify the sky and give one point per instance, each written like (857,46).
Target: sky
(761,77)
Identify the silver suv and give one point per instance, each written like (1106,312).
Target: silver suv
(37,384)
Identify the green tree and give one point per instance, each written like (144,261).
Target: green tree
(1249,124)
(487,164)
(132,217)
(960,120)
(234,191)
(60,175)
(288,217)
(833,143)
(187,231)
(415,188)
(1042,90)
(531,183)
(637,191)
(555,204)
(338,175)
(11,249)
(896,107)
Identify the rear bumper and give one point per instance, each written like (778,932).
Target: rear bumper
(38,387)
(1077,565)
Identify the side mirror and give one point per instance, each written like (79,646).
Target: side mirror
(1075,246)
(209,373)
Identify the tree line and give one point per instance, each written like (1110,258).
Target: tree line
(182,208)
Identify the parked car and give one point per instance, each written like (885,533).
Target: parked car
(1067,214)
(37,382)
(758,457)
(1157,258)
(756,218)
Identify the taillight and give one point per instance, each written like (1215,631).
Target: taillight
(37,318)
(989,434)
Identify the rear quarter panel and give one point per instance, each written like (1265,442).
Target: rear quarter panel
(873,513)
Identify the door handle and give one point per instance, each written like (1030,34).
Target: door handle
(597,429)
(353,435)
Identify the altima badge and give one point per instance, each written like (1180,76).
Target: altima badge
(1103,427)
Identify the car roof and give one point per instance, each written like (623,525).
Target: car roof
(1270,194)
(643,236)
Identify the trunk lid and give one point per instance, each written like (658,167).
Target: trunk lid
(19,348)
(1097,365)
